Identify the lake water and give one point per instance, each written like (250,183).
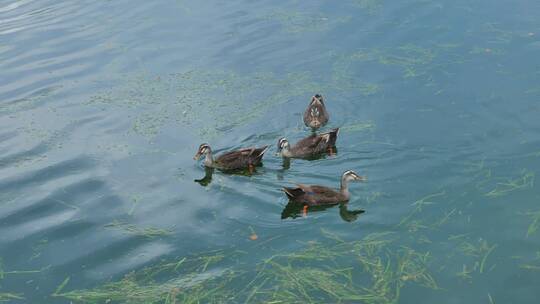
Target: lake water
(104,103)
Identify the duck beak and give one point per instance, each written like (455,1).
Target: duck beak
(360,178)
(197,156)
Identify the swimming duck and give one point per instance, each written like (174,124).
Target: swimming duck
(233,160)
(316,115)
(320,195)
(309,146)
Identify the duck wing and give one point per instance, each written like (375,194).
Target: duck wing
(323,193)
(315,144)
(308,145)
(319,195)
(330,137)
(241,158)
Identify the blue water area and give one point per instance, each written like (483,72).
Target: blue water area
(104,103)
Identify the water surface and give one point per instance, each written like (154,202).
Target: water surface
(104,103)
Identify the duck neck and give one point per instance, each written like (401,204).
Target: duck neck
(208,159)
(286,152)
(344,189)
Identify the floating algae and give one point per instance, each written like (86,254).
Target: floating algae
(358,127)
(211,102)
(320,272)
(413,60)
(371,6)
(148,232)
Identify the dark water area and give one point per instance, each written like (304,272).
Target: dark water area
(104,103)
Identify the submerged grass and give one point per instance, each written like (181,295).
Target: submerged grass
(526,180)
(8,297)
(480,250)
(533,227)
(369,270)
(148,232)
(418,207)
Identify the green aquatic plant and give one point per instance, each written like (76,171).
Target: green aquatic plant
(9,297)
(148,232)
(533,227)
(188,289)
(533,265)
(3,273)
(183,281)
(419,205)
(446,217)
(526,180)
(370,270)
(480,250)
(299,277)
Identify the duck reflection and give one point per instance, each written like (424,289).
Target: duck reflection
(286,164)
(207,179)
(295,209)
(208,172)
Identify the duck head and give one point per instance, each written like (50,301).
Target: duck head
(350,175)
(204,149)
(317,99)
(282,146)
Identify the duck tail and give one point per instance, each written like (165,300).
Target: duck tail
(288,192)
(332,136)
(292,193)
(261,151)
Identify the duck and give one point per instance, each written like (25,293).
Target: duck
(316,115)
(313,195)
(246,158)
(309,146)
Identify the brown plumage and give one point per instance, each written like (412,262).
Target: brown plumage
(316,115)
(313,195)
(309,146)
(233,160)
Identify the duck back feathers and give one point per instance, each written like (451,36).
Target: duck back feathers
(240,159)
